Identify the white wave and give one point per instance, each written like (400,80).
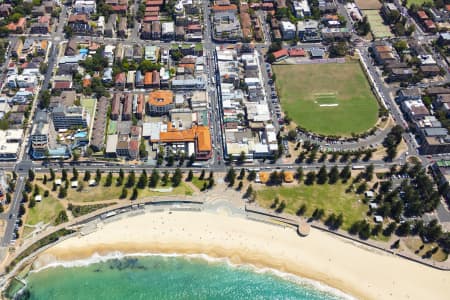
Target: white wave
(97,258)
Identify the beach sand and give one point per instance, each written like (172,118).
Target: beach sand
(355,269)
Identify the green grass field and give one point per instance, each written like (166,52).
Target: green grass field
(331,198)
(329,99)
(44,211)
(103,193)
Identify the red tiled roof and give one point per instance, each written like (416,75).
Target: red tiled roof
(216,8)
(297,52)
(421,14)
(280,53)
(62,85)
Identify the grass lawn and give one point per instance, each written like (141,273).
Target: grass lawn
(44,211)
(414,243)
(102,192)
(330,99)
(198,182)
(332,198)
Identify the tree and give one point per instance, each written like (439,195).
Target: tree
(8,198)
(98,176)
(134,195)
(131,180)
(249,191)
(176,178)
(292,135)
(165,178)
(52,174)
(36,190)
(75,174)
(389,229)
(242,157)
(54,187)
(404,229)
(143,180)
(361,188)
(301,210)
(202,175)
(241,174)
(87,175)
(230,177)
(61,218)
(275,202)
(109,179)
(124,193)
(240,185)
(32,203)
(333,176)
(190,176)
(80,186)
(338,49)
(210,182)
(310,178)
(251,175)
(2,209)
(299,174)
(154,178)
(62,192)
(30,175)
(322,175)
(28,186)
(142,149)
(121,178)
(281,207)
(369,172)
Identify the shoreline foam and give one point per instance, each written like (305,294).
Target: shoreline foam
(321,257)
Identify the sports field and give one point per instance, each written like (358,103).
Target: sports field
(378,28)
(329,99)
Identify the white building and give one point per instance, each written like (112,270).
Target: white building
(10,141)
(288,30)
(301,8)
(85,6)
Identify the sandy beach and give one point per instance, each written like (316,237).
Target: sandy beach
(357,270)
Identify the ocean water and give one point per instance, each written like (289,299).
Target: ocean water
(170,277)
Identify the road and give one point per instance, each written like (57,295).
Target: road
(13,212)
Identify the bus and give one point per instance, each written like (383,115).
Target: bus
(357,167)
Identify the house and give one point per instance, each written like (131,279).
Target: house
(79,24)
(160,102)
(413,93)
(430,70)
(62,83)
(444,39)
(110,27)
(85,6)
(156,30)
(16,47)
(127,107)
(18,27)
(146,32)
(5,10)
(288,30)
(415,109)
(122,31)
(383,53)
(434,141)
(107,75)
(120,80)
(39,28)
(308,31)
(71,48)
(116,106)
(403,74)
(280,54)
(301,8)
(168,31)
